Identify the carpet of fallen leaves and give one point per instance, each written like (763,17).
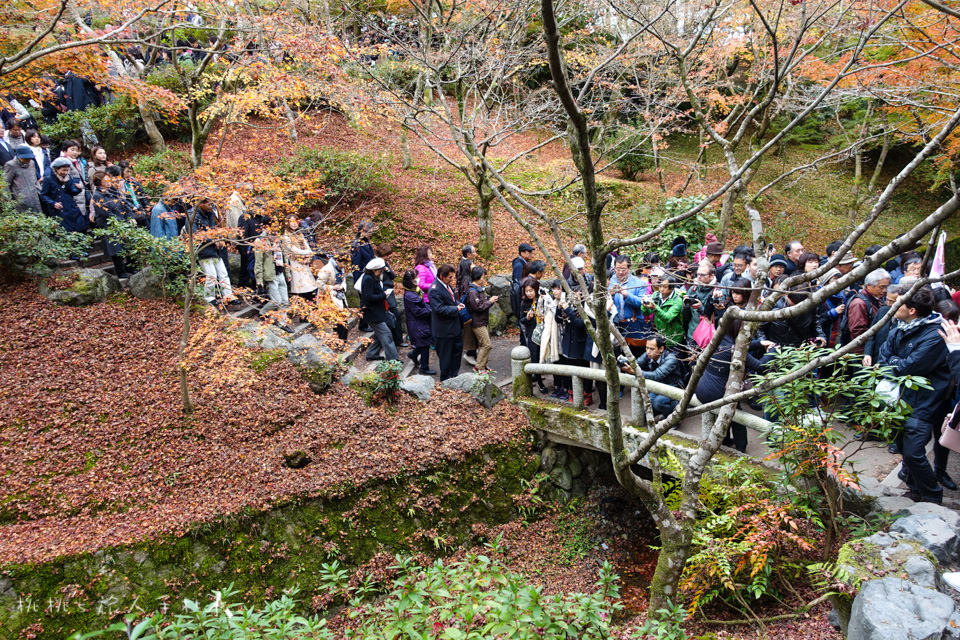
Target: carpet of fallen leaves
(95,451)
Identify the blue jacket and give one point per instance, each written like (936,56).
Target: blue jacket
(666,370)
(360,254)
(918,349)
(52,191)
(418,319)
(162,226)
(444,315)
(630,313)
(517,267)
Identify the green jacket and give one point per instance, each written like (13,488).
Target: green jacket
(668,316)
(264,269)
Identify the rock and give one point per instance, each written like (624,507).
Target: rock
(91,286)
(498,321)
(935,534)
(488,396)
(548,458)
(296,459)
(861,501)
(347,377)
(352,295)
(560,476)
(233,266)
(894,609)
(578,488)
(145,284)
(401,315)
(833,618)
(419,386)
(892,504)
(576,467)
(562,456)
(888,554)
(951,517)
(499,285)
(306,341)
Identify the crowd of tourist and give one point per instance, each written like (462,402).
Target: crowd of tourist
(666,308)
(668,311)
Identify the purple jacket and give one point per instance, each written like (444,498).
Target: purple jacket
(418,319)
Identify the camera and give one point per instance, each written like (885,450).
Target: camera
(622,361)
(648,300)
(688,301)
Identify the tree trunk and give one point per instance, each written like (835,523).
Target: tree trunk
(185,334)
(674,549)
(157,143)
(726,215)
(291,120)
(406,158)
(484,219)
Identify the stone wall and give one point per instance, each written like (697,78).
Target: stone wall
(262,553)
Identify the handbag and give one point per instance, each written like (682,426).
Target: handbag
(704,331)
(888,390)
(949,434)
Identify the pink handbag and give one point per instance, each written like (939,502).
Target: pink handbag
(703,334)
(949,434)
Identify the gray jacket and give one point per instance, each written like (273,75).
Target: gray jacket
(22,183)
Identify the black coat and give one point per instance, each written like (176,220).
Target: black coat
(418,319)
(918,349)
(108,203)
(361,252)
(713,383)
(573,333)
(444,315)
(792,331)
(373,299)
(6,153)
(202,221)
(53,191)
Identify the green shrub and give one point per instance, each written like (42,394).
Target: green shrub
(222,619)
(343,175)
(632,154)
(399,75)
(116,125)
(166,258)
(693,228)
(32,243)
(153,169)
(475,598)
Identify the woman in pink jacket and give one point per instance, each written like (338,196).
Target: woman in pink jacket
(426,270)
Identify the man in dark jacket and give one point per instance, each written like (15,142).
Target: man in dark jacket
(7,153)
(525,254)
(56,196)
(375,311)
(915,347)
(445,321)
(478,304)
(661,365)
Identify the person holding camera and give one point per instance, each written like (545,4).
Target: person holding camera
(667,308)
(632,319)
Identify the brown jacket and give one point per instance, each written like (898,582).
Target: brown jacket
(859,317)
(478,303)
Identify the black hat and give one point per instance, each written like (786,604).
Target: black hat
(679,240)
(777,259)
(524,247)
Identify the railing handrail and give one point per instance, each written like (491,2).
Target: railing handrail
(630,381)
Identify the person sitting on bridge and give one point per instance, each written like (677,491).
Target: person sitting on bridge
(660,365)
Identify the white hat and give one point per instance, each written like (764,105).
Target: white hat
(577,262)
(376,263)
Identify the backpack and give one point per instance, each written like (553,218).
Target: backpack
(465,316)
(844,330)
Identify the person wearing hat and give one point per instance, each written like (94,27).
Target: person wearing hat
(778,264)
(579,251)
(22,181)
(846,263)
(56,196)
(373,300)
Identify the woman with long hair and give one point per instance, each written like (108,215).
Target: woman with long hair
(298,256)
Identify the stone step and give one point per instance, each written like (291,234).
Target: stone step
(246,311)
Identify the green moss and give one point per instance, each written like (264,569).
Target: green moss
(260,361)
(264,552)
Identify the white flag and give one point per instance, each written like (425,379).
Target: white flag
(937,267)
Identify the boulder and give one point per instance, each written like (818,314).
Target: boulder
(561,478)
(145,284)
(498,321)
(888,554)
(401,315)
(938,536)
(352,295)
(233,266)
(951,517)
(296,459)
(894,609)
(499,285)
(548,458)
(256,335)
(488,396)
(419,386)
(91,286)
(892,504)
